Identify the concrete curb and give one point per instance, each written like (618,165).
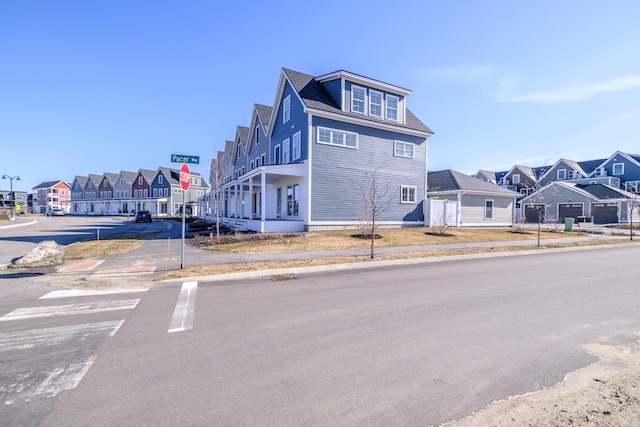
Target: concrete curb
(261,274)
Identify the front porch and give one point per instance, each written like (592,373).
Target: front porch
(267,199)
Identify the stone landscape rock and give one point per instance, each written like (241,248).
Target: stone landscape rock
(45,254)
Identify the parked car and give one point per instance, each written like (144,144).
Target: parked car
(54,212)
(143,216)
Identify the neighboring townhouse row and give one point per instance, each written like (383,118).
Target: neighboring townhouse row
(298,164)
(158,191)
(601,190)
(51,195)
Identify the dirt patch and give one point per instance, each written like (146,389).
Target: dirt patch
(606,393)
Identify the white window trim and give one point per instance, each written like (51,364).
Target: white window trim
(413,193)
(286,109)
(397,144)
(493,205)
(371,91)
(344,139)
(515,179)
(613,169)
(364,101)
(397,109)
(564,173)
(297,141)
(286,151)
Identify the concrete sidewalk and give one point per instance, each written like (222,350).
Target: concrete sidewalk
(164,255)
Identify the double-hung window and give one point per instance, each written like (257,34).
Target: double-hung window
(286,109)
(515,178)
(392,107)
(375,103)
(562,174)
(403,149)
(296,146)
(618,169)
(285,150)
(407,194)
(358,96)
(488,209)
(334,137)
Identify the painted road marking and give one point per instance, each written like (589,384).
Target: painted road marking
(69,309)
(131,270)
(82,266)
(183,314)
(60,379)
(22,340)
(68,293)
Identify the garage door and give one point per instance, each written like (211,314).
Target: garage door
(569,210)
(531,212)
(604,213)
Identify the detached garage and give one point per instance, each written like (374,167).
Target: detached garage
(606,204)
(470,201)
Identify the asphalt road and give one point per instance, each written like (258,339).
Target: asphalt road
(412,345)
(17,241)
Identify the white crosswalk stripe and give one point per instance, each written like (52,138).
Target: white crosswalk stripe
(52,336)
(45,361)
(69,309)
(67,293)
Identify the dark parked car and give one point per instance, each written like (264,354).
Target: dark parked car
(143,216)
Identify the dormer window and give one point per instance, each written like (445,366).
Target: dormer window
(515,178)
(358,96)
(375,103)
(562,174)
(286,109)
(392,107)
(257,136)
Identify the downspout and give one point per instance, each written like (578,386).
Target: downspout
(309,167)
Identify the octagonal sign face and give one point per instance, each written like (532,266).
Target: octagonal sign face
(185,176)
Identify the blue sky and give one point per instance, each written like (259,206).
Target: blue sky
(95,86)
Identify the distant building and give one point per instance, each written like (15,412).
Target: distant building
(50,195)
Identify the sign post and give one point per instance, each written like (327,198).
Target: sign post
(185,180)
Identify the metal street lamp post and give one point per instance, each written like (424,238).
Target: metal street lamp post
(13,198)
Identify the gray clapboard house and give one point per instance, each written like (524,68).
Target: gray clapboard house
(458,200)
(325,136)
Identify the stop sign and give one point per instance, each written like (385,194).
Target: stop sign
(185,176)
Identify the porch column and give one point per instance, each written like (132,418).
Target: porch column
(263,198)
(251,197)
(237,213)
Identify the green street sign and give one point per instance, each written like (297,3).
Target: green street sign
(183,158)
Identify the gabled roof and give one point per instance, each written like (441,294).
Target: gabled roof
(571,163)
(490,175)
(148,174)
(95,179)
(172,175)
(314,96)
(264,115)
(448,181)
(82,180)
(111,177)
(527,170)
(128,176)
(49,184)
(630,157)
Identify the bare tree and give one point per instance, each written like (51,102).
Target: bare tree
(216,180)
(632,204)
(375,197)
